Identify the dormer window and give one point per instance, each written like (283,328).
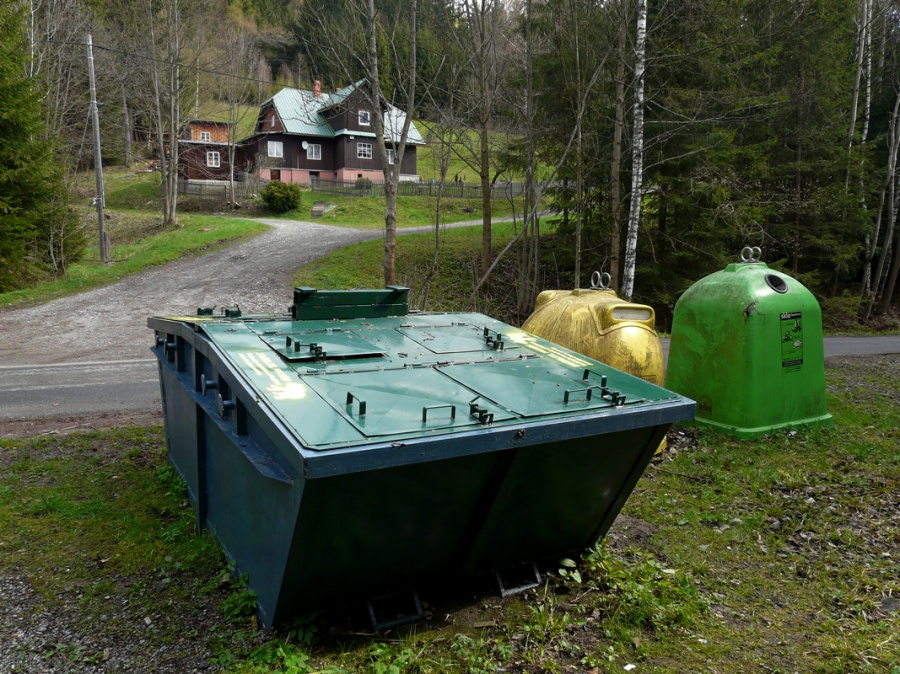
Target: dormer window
(205,136)
(365,118)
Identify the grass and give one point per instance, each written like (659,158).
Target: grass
(368,212)
(360,266)
(774,555)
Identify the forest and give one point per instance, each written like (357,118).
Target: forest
(662,137)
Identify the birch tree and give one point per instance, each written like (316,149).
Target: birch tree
(637,152)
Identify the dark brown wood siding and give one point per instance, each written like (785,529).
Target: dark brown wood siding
(410,162)
(266,125)
(192,162)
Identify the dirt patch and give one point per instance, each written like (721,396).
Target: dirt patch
(67,424)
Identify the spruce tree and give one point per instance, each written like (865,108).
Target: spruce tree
(35,222)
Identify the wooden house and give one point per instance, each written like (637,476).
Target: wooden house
(203,151)
(305,136)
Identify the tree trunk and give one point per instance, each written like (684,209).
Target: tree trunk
(486,210)
(886,251)
(637,154)
(579,160)
(127,132)
(888,294)
(485,109)
(893,141)
(390,232)
(391,173)
(862,30)
(615,242)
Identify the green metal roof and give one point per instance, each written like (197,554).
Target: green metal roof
(301,113)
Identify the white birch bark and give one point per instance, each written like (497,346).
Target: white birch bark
(862,29)
(637,153)
(885,197)
(868,72)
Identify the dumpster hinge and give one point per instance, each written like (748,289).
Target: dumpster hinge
(525,575)
(405,608)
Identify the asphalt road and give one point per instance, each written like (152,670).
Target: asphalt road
(74,389)
(89,354)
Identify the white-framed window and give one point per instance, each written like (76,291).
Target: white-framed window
(205,136)
(364,151)
(213,159)
(272,121)
(365,118)
(276,149)
(314,152)
(391,157)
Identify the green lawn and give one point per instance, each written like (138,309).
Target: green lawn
(776,555)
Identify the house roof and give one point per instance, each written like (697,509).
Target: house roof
(301,113)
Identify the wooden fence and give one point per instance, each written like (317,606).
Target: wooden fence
(365,188)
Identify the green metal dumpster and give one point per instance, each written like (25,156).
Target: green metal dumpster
(747,345)
(350,449)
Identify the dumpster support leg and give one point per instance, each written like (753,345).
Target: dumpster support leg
(526,575)
(404,606)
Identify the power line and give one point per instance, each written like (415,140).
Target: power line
(210,71)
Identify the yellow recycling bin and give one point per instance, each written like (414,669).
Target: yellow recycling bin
(596,323)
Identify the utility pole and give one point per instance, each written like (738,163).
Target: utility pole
(100,199)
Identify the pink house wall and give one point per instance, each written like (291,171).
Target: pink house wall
(350,175)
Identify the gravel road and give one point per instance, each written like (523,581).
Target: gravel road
(110,323)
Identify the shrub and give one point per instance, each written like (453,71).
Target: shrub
(281,197)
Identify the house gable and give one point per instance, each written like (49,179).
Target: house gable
(269,121)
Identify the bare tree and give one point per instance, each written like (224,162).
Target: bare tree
(236,90)
(159,32)
(351,44)
(486,28)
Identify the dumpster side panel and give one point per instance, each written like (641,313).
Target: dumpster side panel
(404,526)
(181,430)
(561,497)
(250,514)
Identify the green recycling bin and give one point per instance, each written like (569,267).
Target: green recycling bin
(747,345)
(351,449)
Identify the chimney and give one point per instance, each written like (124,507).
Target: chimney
(317,89)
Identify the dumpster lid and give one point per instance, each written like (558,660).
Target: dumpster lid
(348,382)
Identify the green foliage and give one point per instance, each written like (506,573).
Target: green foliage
(480,655)
(641,592)
(241,603)
(385,660)
(38,231)
(281,197)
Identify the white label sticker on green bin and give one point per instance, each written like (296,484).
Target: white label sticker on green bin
(792,339)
